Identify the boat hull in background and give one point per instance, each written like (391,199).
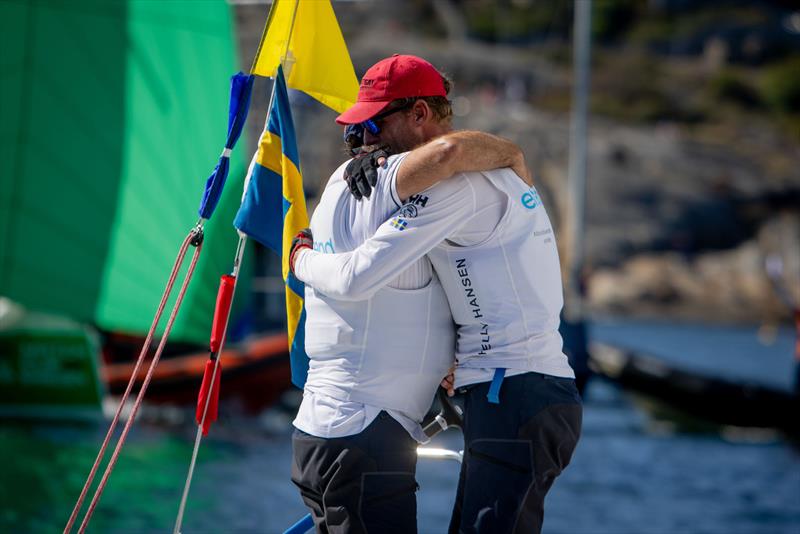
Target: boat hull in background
(49,370)
(716,400)
(255,374)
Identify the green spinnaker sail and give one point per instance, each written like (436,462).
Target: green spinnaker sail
(113,116)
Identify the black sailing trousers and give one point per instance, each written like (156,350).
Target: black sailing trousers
(360,483)
(513,452)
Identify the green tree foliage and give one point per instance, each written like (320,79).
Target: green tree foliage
(519,21)
(732,87)
(781,86)
(611,19)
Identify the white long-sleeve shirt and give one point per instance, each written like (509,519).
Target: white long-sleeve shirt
(492,245)
(387,352)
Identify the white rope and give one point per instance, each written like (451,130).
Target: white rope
(188,483)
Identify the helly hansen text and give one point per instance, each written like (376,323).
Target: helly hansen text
(472,300)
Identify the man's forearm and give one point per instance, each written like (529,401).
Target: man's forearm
(456,152)
(359,273)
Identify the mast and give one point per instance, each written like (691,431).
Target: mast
(576,199)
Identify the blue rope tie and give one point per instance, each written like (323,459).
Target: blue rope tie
(302,526)
(494,389)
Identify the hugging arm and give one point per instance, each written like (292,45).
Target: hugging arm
(454,153)
(398,242)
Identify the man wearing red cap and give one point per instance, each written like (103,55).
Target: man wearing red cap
(376,363)
(492,246)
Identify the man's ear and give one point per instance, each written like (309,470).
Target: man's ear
(421,111)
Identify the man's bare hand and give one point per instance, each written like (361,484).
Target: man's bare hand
(448,382)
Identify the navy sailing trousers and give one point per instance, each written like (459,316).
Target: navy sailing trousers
(513,452)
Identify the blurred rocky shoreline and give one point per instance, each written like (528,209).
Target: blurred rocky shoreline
(680,221)
(675,226)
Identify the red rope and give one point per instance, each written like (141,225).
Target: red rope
(140,396)
(173,275)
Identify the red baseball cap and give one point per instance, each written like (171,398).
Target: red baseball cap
(399,76)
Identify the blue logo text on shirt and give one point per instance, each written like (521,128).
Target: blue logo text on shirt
(530,198)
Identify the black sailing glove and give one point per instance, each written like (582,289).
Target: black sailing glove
(361,174)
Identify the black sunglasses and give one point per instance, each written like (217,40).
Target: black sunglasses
(371,125)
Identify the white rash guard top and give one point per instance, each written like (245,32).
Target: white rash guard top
(492,245)
(388,352)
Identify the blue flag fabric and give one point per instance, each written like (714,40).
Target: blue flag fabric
(274,210)
(241,88)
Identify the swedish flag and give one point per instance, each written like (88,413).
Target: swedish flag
(274,210)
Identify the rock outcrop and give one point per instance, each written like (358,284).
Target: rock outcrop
(679,220)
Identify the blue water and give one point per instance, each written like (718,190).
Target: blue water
(630,474)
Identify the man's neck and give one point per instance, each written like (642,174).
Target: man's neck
(434,130)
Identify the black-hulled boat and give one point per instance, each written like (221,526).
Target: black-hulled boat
(719,400)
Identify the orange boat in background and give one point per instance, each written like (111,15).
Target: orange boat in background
(255,372)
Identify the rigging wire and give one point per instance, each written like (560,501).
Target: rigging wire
(201,424)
